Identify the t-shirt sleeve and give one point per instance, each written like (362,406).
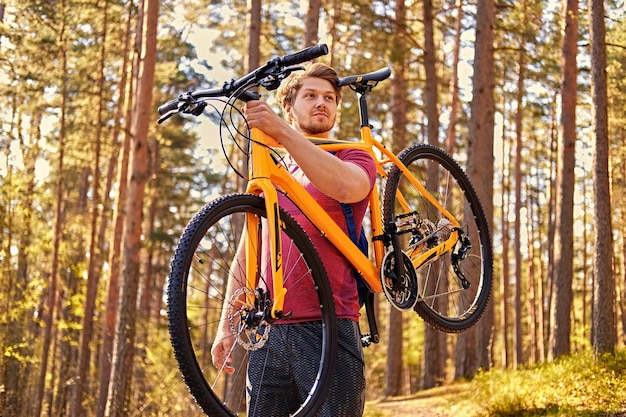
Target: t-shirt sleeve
(362,159)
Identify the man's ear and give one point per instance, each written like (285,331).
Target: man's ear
(288,117)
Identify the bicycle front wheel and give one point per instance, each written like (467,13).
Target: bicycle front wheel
(453,287)
(265,372)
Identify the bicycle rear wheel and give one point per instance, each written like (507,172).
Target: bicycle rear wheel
(454,287)
(203,263)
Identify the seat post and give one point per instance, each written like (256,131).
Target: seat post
(363,92)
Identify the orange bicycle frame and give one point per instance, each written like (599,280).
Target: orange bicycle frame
(268,177)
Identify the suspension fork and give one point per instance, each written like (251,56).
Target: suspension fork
(259,184)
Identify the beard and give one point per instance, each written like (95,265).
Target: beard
(316,127)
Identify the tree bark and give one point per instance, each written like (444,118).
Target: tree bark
(560,324)
(48,314)
(119,387)
(480,171)
(454,81)
(519,346)
(506,270)
(254,42)
(311,34)
(110,309)
(434,358)
(393,375)
(84,351)
(604,335)
(115,255)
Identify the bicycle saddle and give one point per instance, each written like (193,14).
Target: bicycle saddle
(364,79)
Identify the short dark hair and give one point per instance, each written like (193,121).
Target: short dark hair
(290,86)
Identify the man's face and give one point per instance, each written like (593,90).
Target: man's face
(314,108)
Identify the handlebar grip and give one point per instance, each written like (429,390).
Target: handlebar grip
(168,107)
(305,55)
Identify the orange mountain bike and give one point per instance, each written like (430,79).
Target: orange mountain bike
(430,239)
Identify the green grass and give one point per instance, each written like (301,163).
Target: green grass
(571,386)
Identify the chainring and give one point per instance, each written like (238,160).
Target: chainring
(402,293)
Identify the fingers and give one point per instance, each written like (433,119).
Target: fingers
(260,115)
(254,107)
(221,355)
(258,110)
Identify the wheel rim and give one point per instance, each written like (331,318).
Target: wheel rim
(196,296)
(454,287)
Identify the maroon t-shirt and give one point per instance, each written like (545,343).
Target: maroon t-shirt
(303,302)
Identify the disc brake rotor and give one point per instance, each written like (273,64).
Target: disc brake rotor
(249,335)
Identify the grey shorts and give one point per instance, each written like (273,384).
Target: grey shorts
(284,372)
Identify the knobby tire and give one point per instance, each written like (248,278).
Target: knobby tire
(203,261)
(443,302)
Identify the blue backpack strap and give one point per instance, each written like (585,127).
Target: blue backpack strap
(361,242)
(366,297)
(349,213)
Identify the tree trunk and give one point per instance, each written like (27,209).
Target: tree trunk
(48,314)
(454,81)
(108,323)
(621,282)
(335,7)
(585,270)
(394,381)
(84,351)
(560,324)
(480,167)
(604,336)
(531,301)
(147,284)
(312,23)
(519,346)
(254,50)
(394,368)
(547,288)
(506,271)
(434,358)
(119,387)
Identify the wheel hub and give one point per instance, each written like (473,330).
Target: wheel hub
(248,321)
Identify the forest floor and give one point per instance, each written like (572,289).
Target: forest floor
(445,401)
(574,385)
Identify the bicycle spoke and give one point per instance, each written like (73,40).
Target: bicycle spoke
(202,306)
(454,285)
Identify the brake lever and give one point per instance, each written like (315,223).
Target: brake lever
(272,81)
(187,104)
(166,116)
(195,108)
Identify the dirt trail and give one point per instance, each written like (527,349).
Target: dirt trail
(435,402)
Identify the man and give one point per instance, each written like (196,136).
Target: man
(309,100)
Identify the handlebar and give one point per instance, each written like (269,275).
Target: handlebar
(305,55)
(269,75)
